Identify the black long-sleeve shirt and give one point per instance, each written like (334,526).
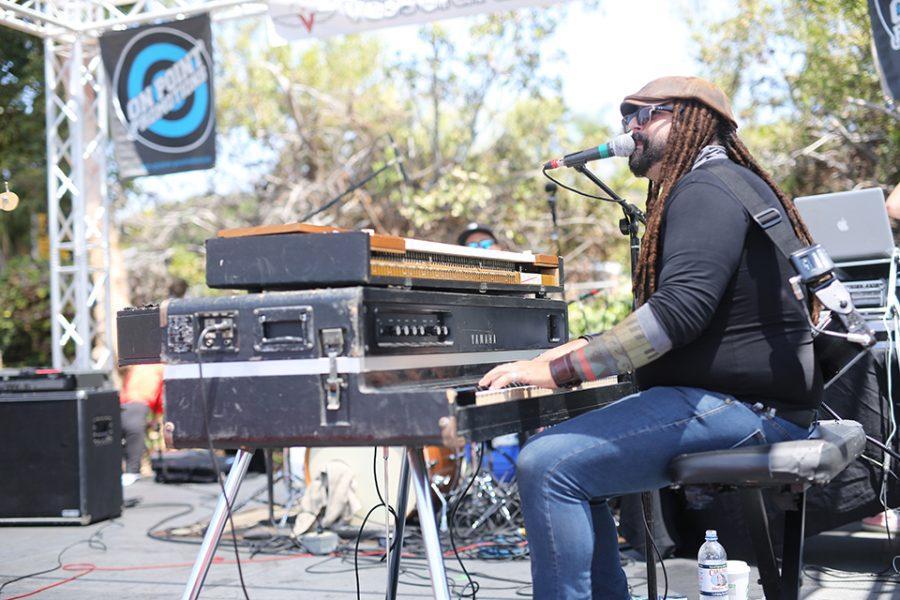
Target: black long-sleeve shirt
(724,300)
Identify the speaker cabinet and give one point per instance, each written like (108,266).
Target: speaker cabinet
(62,459)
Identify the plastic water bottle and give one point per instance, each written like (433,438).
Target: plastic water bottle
(712,568)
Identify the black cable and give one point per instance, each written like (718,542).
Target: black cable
(365,520)
(212,457)
(39,573)
(188,509)
(356,546)
(522,592)
(886,471)
(579,192)
(883,447)
(349,190)
(472,584)
(95,542)
(418,571)
(375,475)
(814,572)
(658,555)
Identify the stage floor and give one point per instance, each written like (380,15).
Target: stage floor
(129,565)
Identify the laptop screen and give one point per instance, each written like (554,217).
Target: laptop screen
(851,226)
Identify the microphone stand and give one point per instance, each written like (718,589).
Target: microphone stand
(628,225)
(551,188)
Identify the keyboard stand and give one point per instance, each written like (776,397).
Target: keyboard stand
(430,536)
(414,462)
(394,561)
(217,525)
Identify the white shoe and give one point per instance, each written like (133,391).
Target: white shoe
(129,478)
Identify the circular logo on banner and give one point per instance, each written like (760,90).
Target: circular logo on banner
(162,90)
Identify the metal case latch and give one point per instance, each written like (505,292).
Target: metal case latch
(333,345)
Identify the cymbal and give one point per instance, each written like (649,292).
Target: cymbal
(8,200)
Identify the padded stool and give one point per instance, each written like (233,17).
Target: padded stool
(789,467)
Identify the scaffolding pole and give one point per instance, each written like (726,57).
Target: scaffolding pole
(77,123)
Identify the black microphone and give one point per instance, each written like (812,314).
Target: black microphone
(621,145)
(399,158)
(551,188)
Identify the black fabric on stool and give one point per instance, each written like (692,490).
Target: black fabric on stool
(791,468)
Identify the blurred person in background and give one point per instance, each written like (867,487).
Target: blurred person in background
(476,235)
(141,395)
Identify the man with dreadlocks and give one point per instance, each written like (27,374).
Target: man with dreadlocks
(721,351)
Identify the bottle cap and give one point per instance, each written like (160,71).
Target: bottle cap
(711,534)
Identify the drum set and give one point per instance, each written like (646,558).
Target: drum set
(491,502)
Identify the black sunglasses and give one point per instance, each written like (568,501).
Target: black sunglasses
(643,115)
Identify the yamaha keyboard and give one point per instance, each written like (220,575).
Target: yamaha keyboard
(351,366)
(354,338)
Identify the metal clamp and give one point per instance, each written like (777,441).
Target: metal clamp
(333,345)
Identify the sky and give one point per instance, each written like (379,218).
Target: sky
(611,50)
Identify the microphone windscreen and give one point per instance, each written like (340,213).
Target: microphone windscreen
(622,145)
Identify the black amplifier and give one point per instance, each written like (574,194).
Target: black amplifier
(32,379)
(348,366)
(35,380)
(62,460)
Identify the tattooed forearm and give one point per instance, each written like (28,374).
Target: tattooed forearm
(633,343)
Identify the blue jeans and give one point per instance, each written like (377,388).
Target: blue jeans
(620,449)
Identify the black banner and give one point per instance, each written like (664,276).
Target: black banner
(161,93)
(885,16)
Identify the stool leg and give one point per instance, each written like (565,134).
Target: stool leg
(758,526)
(792,556)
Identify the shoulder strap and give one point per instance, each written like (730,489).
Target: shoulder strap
(778,229)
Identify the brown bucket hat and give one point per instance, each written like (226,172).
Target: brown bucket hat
(675,87)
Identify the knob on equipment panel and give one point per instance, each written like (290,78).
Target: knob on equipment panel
(405,328)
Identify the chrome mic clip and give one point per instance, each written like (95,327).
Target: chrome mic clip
(815,273)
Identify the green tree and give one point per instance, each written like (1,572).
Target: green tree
(22,138)
(472,115)
(24,293)
(804,79)
(24,313)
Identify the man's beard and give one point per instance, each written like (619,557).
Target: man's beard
(644,157)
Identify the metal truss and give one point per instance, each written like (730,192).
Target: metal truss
(78,206)
(77,143)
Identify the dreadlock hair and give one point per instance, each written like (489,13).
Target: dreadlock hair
(694,125)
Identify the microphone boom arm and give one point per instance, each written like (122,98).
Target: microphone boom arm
(632,212)
(353,187)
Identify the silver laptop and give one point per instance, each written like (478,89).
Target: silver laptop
(852,226)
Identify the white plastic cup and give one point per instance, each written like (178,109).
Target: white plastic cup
(738,580)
